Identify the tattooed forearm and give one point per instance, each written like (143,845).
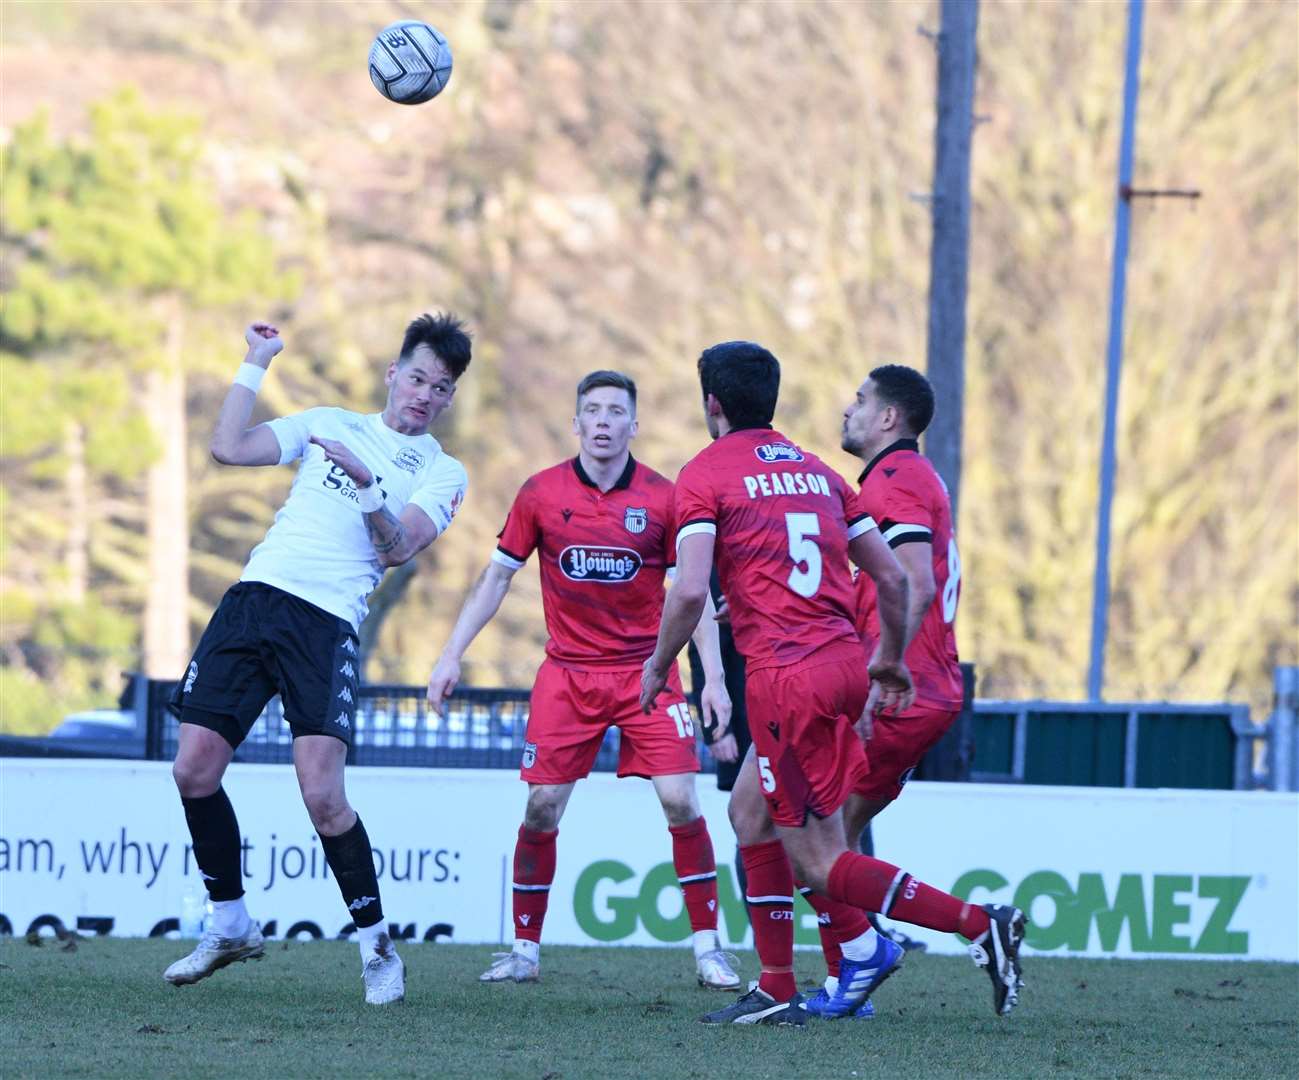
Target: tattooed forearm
(385,531)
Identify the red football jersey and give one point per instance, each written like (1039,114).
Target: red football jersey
(909,500)
(782,520)
(603,559)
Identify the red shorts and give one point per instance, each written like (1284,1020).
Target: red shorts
(801,718)
(898,745)
(571,710)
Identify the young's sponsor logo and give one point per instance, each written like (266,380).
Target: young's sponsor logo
(610,565)
(769,453)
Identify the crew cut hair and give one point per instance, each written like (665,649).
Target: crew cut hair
(445,335)
(616,379)
(744,378)
(908,391)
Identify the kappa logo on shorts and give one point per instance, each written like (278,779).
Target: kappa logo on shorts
(609,565)
(529,755)
(348,647)
(635,518)
(409,459)
(346,670)
(190,676)
(343,721)
(769,453)
(345,694)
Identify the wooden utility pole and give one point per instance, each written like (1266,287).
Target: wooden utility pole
(949,249)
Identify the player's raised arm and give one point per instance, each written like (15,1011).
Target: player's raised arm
(482,603)
(233,441)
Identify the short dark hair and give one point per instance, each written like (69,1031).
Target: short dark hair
(616,379)
(744,378)
(445,335)
(908,391)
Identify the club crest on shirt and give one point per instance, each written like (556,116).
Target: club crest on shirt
(769,453)
(634,519)
(608,565)
(409,459)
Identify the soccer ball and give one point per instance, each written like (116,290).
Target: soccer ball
(410,62)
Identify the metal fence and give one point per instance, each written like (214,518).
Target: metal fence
(1026,742)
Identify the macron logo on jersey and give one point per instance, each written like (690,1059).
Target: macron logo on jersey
(770,453)
(609,565)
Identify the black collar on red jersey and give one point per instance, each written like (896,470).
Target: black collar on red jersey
(901,444)
(623,482)
(752,427)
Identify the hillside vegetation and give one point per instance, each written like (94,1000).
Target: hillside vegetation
(619,185)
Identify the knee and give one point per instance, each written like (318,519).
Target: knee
(750,824)
(195,778)
(328,808)
(542,814)
(812,873)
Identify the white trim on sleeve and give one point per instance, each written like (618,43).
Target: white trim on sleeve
(913,532)
(861,527)
(696,528)
(508,561)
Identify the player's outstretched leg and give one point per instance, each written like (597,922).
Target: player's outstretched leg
(995,931)
(231,935)
(774,999)
(534,871)
(692,856)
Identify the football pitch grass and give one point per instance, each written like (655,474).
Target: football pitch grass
(103,1010)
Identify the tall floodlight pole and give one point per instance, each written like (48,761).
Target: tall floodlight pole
(1114,353)
(950,246)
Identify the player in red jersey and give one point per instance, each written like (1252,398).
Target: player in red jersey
(909,501)
(782,525)
(604,529)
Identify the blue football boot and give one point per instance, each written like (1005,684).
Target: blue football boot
(818,1002)
(858,979)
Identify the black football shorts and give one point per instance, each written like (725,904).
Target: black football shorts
(262,641)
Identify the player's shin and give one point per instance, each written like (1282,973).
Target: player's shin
(214,836)
(692,856)
(844,930)
(875,885)
(770,897)
(534,871)
(351,860)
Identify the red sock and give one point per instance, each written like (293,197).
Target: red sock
(879,886)
(692,855)
(534,870)
(836,922)
(771,911)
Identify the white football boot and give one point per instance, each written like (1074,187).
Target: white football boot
(511,967)
(384,974)
(214,952)
(715,969)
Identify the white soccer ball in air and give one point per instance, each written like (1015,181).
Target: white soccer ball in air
(410,62)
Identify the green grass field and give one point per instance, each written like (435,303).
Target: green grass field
(104,1011)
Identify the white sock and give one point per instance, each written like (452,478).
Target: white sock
(530,949)
(705,941)
(230,918)
(368,938)
(831,984)
(861,948)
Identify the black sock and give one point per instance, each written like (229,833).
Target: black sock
(214,831)
(352,862)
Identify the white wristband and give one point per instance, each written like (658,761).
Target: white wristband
(369,498)
(250,375)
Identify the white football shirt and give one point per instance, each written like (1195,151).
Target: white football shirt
(317,547)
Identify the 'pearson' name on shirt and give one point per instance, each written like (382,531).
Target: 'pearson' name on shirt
(786,483)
